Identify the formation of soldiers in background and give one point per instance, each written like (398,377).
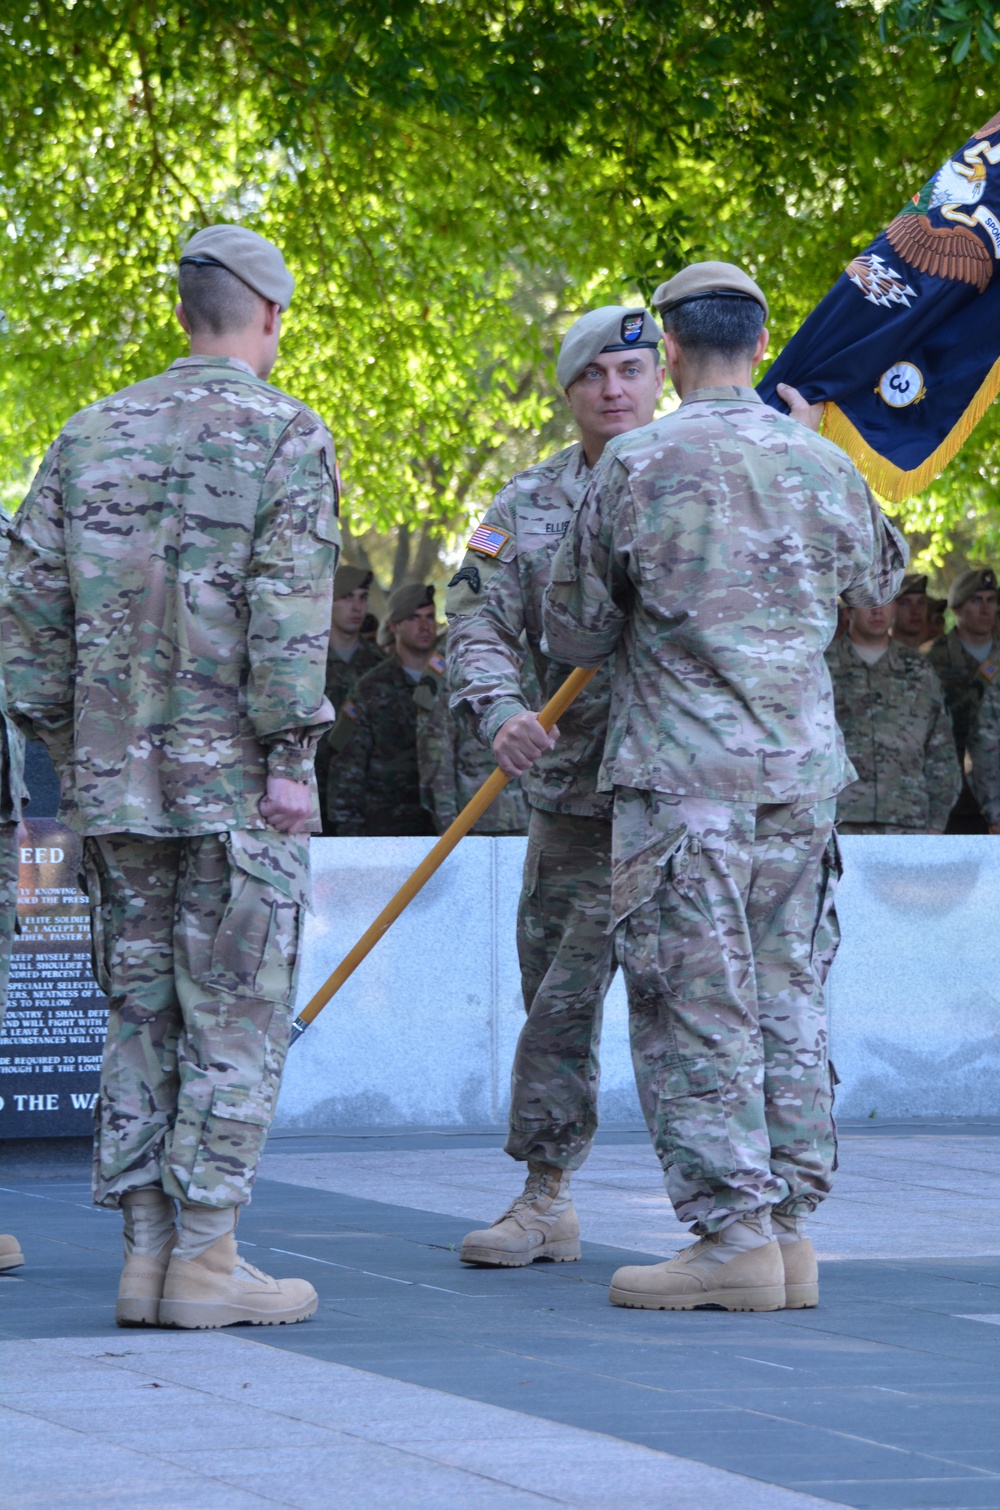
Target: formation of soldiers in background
(918,705)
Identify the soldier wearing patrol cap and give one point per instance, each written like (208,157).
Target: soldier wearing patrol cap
(349,658)
(165,622)
(374,778)
(706,560)
(909,626)
(967,661)
(609,368)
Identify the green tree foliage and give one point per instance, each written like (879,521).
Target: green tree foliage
(451,184)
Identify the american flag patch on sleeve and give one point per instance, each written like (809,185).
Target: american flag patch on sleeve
(487,540)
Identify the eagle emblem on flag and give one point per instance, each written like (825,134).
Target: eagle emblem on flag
(907,370)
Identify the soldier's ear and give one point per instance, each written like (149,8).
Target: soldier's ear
(182,318)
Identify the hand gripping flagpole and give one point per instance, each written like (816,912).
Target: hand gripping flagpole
(550,714)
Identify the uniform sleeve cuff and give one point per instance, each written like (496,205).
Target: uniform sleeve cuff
(292,762)
(497,715)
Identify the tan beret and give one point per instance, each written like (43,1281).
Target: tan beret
(254,260)
(976,579)
(349,579)
(913,583)
(702,280)
(610,328)
(404,602)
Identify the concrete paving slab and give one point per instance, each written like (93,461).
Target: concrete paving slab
(897,1195)
(885,1396)
(466,1454)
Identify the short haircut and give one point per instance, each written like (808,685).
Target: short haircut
(215,301)
(729,326)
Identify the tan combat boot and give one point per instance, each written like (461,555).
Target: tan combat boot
(150,1235)
(738,1269)
(209,1284)
(799,1259)
(11,1256)
(541,1223)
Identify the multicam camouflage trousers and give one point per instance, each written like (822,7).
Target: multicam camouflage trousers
(726,932)
(196,944)
(9,867)
(566,951)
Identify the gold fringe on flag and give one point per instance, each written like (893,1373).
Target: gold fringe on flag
(889,481)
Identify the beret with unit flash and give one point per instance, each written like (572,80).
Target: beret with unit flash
(404,602)
(610,328)
(349,579)
(976,579)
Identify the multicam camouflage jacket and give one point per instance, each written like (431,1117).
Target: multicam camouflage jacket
(984,755)
(964,681)
(453,765)
(166,610)
(12,792)
(495,603)
(373,785)
(898,739)
(710,550)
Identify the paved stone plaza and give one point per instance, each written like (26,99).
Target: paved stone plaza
(424,1384)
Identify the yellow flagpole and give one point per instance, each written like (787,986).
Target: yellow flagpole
(550,714)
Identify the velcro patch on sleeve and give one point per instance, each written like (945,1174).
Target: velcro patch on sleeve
(487,540)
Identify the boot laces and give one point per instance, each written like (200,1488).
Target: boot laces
(535,1188)
(246,1272)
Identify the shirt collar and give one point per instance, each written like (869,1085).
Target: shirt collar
(725,393)
(203,361)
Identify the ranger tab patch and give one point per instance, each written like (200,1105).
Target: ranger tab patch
(487,540)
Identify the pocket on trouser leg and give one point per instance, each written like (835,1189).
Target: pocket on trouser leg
(231,1143)
(826,928)
(91,881)
(692,1132)
(637,878)
(255,950)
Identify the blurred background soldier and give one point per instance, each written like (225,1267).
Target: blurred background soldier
(609,368)
(374,782)
(984,757)
(453,765)
(967,660)
(935,620)
(165,626)
(897,733)
(12,795)
(709,551)
(349,657)
(909,624)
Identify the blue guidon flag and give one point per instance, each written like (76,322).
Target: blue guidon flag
(905,348)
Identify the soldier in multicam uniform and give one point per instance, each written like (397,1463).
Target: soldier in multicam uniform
(709,552)
(896,731)
(608,366)
(350,656)
(909,626)
(165,625)
(12,796)
(967,661)
(374,782)
(984,757)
